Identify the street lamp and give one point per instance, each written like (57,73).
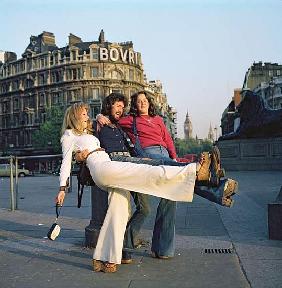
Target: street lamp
(215,131)
(271,88)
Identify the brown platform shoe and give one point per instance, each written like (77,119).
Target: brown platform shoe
(109,267)
(210,170)
(97,265)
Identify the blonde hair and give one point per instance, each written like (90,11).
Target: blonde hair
(71,119)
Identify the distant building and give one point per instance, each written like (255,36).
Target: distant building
(271,92)
(47,76)
(261,72)
(228,119)
(2,56)
(188,127)
(211,134)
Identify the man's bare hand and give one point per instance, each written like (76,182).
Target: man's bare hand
(103,120)
(81,156)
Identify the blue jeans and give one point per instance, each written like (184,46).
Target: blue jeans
(163,241)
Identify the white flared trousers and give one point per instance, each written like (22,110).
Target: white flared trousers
(110,241)
(169,182)
(118,178)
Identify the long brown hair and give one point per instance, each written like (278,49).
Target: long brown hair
(71,119)
(133,104)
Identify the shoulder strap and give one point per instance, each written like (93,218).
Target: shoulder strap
(95,129)
(134,127)
(80,186)
(79,194)
(129,145)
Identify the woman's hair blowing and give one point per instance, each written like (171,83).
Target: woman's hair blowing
(71,119)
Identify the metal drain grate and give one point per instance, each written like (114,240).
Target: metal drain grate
(218,251)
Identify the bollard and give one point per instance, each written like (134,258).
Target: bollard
(99,206)
(275,218)
(17,181)
(12,200)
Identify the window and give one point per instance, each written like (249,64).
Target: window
(42,99)
(60,97)
(51,60)
(278,72)
(55,76)
(133,91)
(73,53)
(5,107)
(41,80)
(270,73)
(16,104)
(115,75)
(131,75)
(28,83)
(94,71)
(15,85)
(94,111)
(55,97)
(95,93)
(42,63)
(95,53)
(16,120)
(74,74)
(116,91)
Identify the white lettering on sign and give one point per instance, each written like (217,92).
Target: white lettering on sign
(104,54)
(114,54)
(130,57)
(123,54)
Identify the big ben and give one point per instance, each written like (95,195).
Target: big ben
(187,127)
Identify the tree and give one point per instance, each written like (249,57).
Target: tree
(191,146)
(49,133)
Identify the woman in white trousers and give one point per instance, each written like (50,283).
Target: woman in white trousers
(170,182)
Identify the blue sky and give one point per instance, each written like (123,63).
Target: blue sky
(200,50)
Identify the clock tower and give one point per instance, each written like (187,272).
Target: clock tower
(187,127)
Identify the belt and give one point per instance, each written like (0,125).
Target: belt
(96,150)
(127,154)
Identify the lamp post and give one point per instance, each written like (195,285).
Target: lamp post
(271,90)
(215,131)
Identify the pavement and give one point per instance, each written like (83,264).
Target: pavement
(215,246)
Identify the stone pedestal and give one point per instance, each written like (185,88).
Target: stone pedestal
(251,154)
(275,218)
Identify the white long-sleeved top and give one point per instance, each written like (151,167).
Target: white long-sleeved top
(72,143)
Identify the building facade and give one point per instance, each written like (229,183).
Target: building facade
(261,72)
(229,123)
(271,92)
(48,76)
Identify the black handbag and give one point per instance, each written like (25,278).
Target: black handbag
(138,150)
(83,179)
(55,229)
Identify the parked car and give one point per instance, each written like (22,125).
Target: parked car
(74,170)
(5,171)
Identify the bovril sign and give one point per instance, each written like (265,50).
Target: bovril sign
(118,54)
